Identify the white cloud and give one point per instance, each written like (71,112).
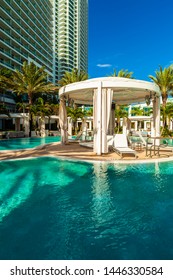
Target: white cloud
(104,65)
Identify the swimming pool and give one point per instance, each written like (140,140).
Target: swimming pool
(25,143)
(57,209)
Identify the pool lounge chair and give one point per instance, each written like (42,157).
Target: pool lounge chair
(120,146)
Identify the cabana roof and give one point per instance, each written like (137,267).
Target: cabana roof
(125,91)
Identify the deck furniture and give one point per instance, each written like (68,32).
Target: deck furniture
(120,146)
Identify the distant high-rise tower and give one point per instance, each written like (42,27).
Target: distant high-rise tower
(27,33)
(71,36)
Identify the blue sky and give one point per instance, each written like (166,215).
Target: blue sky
(131,34)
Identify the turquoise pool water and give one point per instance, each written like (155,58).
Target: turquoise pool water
(56,209)
(25,143)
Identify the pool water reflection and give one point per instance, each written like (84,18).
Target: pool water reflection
(57,209)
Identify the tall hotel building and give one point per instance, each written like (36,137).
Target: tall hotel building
(26,33)
(71,36)
(53,33)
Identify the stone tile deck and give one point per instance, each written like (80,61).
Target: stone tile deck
(75,151)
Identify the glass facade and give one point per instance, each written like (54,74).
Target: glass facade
(26,33)
(52,33)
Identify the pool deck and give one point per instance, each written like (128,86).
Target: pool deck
(75,151)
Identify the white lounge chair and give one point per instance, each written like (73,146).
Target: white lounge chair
(120,145)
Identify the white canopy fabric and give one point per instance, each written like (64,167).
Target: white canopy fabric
(3,116)
(54,117)
(15,115)
(63,121)
(101,92)
(125,91)
(102,108)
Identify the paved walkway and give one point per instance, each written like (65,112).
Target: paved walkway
(75,151)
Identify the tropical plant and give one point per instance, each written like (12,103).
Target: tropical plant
(54,109)
(120,112)
(22,107)
(164,80)
(137,111)
(122,73)
(89,112)
(74,76)
(147,111)
(167,114)
(74,114)
(5,74)
(41,110)
(31,81)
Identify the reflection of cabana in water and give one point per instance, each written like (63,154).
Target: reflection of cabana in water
(104,93)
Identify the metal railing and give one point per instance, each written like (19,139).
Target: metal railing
(154,145)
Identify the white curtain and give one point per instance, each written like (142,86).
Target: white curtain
(104,121)
(63,121)
(109,104)
(107,95)
(95,119)
(102,101)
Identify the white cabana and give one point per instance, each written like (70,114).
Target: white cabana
(102,92)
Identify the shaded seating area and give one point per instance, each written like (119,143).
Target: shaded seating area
(120,146)
(104,94)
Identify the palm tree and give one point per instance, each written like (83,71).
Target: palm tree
(22,107)
(122,73)
(76,113)
(137,111)
(31,81)
(147,111)
(167,114)
(42,110)
(5,74)
(74,76)
(89,112)
(164,80)
(54,109)
(120,112)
